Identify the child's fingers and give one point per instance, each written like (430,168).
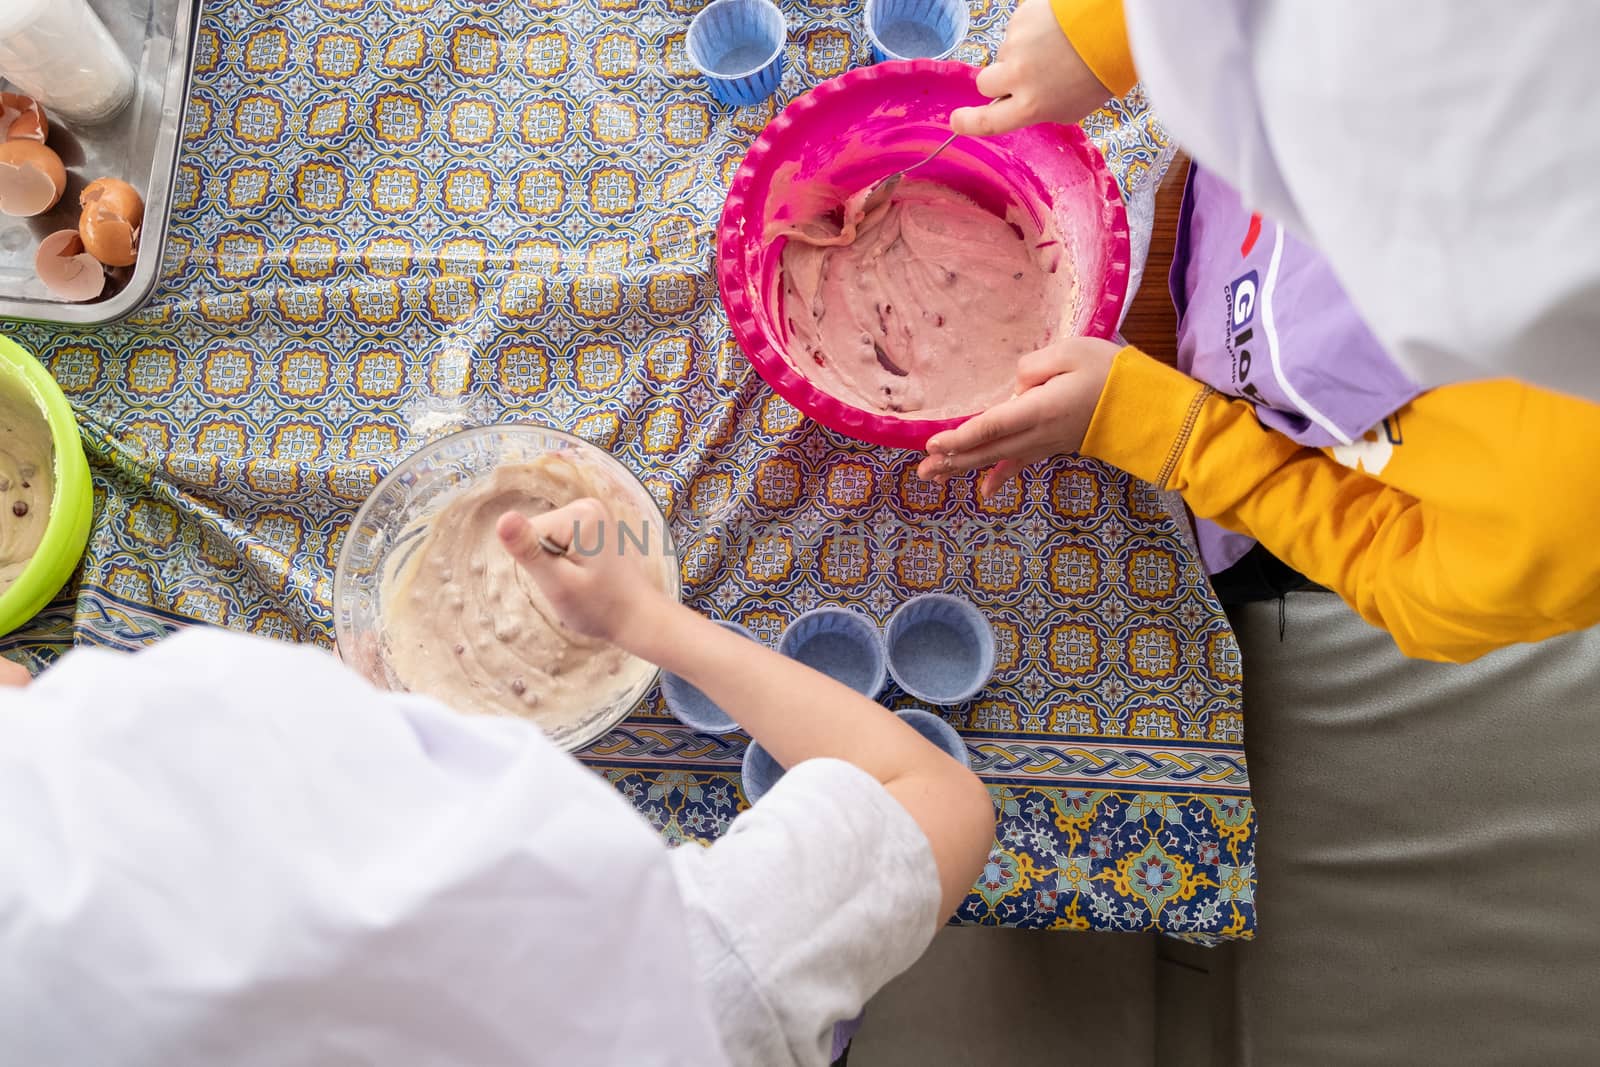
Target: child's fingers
(1004,115)
(999,422)
(517,534)
(1036,368)
(996,80)
(931,469)
(1023,445)
(544,538)
(999,475)
(1017,429)
(963,120)
(13,674)
(1022,448)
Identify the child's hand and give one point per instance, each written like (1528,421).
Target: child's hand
(597,588)
(1057,390)
(13,674)
(1037,76)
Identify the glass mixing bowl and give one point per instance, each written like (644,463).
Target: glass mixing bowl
(393,522)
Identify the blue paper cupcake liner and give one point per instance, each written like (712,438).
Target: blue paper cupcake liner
(941,649)
(759,772)
(845,645)
(692,707)
(916,29)
(738,46)
(939,732)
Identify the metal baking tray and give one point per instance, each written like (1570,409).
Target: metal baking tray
(139,146)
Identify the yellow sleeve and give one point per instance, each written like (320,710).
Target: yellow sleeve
(1483,546)
(1097,30)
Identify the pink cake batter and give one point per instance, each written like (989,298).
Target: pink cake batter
(922,307)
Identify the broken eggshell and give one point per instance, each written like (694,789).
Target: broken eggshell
(66,269)
(22,119)
(109,225)
(32,178)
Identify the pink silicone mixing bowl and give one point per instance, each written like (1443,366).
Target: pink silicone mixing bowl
(865,125)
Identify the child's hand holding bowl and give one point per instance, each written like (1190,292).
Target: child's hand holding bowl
(1058,388)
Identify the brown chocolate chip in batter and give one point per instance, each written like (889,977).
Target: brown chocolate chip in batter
(1017,277)
(461,650)
(938,320)
(886,363)
(518,686)
(20,508)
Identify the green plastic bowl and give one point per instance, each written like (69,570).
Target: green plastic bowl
(72,506)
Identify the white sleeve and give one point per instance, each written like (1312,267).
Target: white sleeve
(227,850)
(816,897)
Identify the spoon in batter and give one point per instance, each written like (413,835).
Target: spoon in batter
(856,209)
(881,190)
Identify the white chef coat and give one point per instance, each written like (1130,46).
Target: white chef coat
(231,851)
(1443,154)
(226,850)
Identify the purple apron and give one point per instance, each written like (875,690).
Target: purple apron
(1290,342)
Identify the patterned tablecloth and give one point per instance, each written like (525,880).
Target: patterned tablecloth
(397,217)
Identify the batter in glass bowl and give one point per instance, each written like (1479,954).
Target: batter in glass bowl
(465,624)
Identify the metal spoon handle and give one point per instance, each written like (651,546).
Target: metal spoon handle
(881,190)
(930,157)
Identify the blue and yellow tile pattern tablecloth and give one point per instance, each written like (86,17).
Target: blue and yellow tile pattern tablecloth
(397,217)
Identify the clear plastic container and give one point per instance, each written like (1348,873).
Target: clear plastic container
(391,525)
(916,29)
(738,45)
(62,55)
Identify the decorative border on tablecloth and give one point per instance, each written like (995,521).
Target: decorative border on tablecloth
(1097,764)
(1137,860)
